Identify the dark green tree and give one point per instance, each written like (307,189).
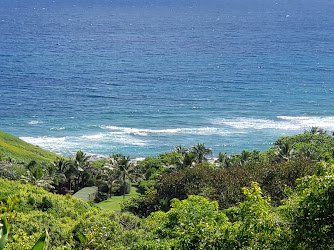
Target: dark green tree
(180,149)
(77,173)
(201,152)
(124,170)
(284,151)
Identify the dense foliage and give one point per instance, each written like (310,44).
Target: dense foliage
(221,184)
(275,170)
(278,199)
(30,210)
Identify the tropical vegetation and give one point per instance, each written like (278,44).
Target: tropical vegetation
(281,198)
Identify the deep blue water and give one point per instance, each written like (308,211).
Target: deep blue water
(140,77)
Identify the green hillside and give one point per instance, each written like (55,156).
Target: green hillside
(21,151)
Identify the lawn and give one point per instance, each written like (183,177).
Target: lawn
(113,203)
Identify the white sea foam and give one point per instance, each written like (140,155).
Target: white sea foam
(250,123)
(137,131)
(44,139)
(70,144)
(325,122)
(209,131)
(296,123)
(146,132)
(34,122)
(54,144)
(93,137)
(57,129)
(129,140)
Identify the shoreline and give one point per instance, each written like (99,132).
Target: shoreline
(136,159)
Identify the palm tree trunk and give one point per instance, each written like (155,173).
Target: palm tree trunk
(124,186)
(124,191)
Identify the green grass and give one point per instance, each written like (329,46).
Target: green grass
(114,202)
(21,151)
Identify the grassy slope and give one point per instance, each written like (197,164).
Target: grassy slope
(21,151)
(114,202)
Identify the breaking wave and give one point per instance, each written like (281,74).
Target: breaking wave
(147,132)
(295,123)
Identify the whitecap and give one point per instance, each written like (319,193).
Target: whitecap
(93,137)
(304,122)
(252,123)
(57,129)
(42,140)
(129,140)
(209,131)
(138,131)
(34,122)
(146,132)
(59,145)
(292,123)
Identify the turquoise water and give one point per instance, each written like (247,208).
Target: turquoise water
(139,77)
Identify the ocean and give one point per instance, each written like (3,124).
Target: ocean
(140,77)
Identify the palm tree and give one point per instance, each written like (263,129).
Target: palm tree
(188,159)
(223,160)
(58,170)
(61,165)
(107,175)
(80,160)
(180,150)
(37,176)
(308,152)
(245,157)
(316,131)
(44,181)
(78,166)
(124,170)
(284,151)
(201,152)
(10,170)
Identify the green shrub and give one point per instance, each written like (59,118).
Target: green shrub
(258,226)
(196,223)
(311,211)
(223,185)
(106,229)
(190,224)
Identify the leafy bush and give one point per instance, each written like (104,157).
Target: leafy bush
(257,225)
(311,211)
(224,185)
(106,230)
(196,223)
(119,188)
(32,210)
(314,144)
(190,224)
(141,205)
